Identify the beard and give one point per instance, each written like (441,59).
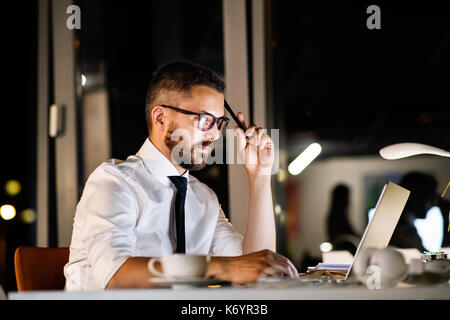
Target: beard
(188,161)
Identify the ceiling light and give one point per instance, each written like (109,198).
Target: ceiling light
(304,159)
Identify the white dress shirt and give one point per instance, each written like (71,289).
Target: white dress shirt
(127,210)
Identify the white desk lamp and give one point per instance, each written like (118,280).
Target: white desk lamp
(403,150)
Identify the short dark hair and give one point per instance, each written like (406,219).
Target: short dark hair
(182,76)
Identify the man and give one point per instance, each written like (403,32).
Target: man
(132,210)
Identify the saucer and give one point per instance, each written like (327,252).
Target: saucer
(184,282)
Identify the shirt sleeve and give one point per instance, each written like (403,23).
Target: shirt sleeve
(111,212)
(226,240)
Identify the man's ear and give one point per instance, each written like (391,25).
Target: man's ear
(158,117)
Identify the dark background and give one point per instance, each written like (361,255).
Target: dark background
(359,89)
(334,80)
(17,128)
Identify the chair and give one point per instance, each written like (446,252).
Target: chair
(40,268)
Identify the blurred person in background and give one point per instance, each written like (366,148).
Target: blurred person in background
(340,232)
(423,196)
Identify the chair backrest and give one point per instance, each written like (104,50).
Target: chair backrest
(40,268)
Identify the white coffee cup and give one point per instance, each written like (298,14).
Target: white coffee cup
(180,265)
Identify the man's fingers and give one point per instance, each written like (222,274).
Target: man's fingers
(242,140)
(264,140)
(271,272)
(281,267)
(259,133)
(240,116)
(291,270)
(285,261)
(250,131)
(255,133)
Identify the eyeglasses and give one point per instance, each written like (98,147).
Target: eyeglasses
(206,120)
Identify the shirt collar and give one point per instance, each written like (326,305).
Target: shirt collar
(157,163)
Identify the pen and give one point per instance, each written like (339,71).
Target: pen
(227,106)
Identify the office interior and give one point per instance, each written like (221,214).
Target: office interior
(314,72)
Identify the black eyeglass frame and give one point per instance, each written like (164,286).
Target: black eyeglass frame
(216,120)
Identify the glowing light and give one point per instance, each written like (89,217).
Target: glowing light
(13,187)
(28,216)
(371,212)
(326,247)
(7,212)
(282,219)
(277,209)
(282,175)
(431,229)
(304,159)
(83,80)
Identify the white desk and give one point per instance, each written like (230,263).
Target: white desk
(244,293)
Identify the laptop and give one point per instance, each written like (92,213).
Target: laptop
(379,230)
(387,212)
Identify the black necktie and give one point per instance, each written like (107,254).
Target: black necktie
(181,185)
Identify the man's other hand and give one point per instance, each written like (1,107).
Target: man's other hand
(251,267)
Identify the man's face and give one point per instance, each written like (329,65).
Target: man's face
(190,146)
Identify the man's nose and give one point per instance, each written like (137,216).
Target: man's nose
(212,134)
